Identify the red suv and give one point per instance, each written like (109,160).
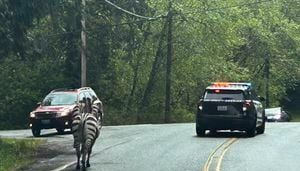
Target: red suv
(55,111)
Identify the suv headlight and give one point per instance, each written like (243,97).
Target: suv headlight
(64,113)
(32,114)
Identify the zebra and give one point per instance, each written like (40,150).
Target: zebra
(86,127)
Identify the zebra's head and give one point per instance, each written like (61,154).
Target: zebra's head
(85,105)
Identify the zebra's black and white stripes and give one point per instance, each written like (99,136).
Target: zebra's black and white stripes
(86,129)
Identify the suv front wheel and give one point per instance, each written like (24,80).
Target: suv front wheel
(36,132)
(60,130)
(200,132)
(251,132)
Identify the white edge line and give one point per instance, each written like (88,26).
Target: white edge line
(64,166)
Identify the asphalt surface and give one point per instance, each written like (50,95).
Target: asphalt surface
(174,147)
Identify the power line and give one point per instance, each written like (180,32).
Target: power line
(144,18)
(136,21)
(131,13)
(96,28)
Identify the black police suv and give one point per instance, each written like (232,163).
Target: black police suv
(230,106)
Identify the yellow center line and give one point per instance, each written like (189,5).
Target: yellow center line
(223,153)
(209,160)
(226,144)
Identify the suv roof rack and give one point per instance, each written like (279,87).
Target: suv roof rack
(70,89)
(84,88)
(62,89)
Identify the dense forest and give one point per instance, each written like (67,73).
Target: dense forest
(146,57)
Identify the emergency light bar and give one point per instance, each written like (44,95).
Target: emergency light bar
(230,84)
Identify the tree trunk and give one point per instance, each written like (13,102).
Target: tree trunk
(153,73)
(267,74)
(136,74)
(169,67)
(83,45)
(53,16)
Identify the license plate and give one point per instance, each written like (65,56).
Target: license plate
(222,108)
(47,121)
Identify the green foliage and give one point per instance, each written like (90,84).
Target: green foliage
(23,84)
(294,114)
(183,115)
(212,41)
(15,153)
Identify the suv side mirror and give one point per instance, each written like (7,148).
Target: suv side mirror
(261,98)
(200,102)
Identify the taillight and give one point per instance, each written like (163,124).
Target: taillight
(246,105)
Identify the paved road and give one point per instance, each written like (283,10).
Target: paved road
(174,147)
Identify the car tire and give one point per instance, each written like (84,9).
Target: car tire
(261,129)
(251,132)
(200,132)
(36,132)
(212,131)
(60,130)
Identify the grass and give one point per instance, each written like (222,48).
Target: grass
(295,117)
(295,114)
(16,153)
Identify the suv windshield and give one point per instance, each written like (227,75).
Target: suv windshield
(56,99)
(224,94)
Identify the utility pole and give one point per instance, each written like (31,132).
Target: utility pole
(267,75)
(169,64)
(83,45)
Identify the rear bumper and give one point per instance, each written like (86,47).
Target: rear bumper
(59,122)
(273,120)
(277,120)
(225,123)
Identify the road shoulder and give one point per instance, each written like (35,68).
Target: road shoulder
(51,155)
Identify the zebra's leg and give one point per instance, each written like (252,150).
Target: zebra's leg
(89,154)
(84,153)
(89,147)
(78,153)
(88,159)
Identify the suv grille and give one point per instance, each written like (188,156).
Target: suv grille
(45,115)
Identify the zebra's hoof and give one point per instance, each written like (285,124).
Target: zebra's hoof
(88,165)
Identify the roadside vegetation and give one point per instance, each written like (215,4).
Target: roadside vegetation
(16,153)
(128,61)
(295,115)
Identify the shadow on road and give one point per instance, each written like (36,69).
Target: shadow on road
(52,134)
(225,134)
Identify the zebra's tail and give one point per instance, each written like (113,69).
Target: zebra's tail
(83,132)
